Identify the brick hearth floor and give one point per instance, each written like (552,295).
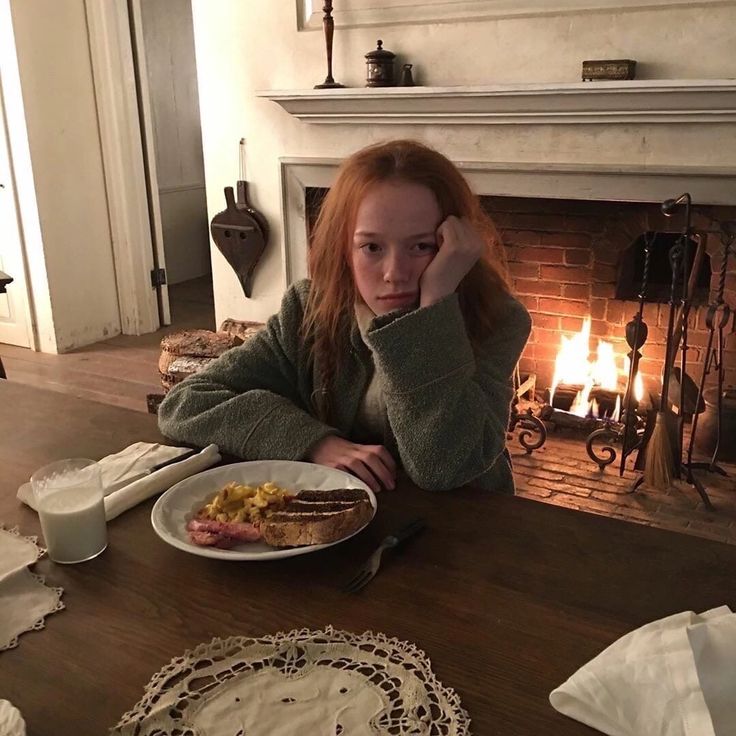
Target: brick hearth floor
(561,473)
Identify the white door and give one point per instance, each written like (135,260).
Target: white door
(15,318)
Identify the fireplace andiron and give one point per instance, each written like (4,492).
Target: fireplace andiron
(630,430)
(636,335)
(530,424)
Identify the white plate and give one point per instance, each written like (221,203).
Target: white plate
(176,507)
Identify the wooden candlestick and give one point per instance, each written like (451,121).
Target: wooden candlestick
(329,27)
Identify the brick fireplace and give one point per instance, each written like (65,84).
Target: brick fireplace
(565,258)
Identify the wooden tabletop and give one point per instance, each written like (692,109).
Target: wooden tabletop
(507,596)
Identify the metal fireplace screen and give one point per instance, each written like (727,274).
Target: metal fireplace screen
(631,267)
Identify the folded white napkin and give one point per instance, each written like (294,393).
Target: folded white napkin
(672,677)
(124,477)
(11,721)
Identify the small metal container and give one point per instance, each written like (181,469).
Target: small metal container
(407,80)
(380,63)
(706,437)
(601,69)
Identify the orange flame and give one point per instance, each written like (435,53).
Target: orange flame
(572,366)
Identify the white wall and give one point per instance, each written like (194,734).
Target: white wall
(172,80)
(74,247)
(243,47)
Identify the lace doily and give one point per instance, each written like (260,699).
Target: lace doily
(315,683)
(25,599)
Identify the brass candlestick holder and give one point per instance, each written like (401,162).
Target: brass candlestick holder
(329,27)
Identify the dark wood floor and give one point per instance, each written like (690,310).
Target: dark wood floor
(119,371)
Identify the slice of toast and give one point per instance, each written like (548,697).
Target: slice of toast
(317,517)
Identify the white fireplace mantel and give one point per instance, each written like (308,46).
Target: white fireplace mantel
(635,101)
(706,184)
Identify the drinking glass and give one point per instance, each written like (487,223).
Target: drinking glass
(69,500)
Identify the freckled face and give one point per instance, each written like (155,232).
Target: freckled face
(395,239)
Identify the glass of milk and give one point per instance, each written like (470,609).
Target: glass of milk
(70,505)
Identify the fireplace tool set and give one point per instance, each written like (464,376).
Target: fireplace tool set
(717,318)
(658,433)
(663,450)
(661,442)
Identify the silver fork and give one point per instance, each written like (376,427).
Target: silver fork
(371,566)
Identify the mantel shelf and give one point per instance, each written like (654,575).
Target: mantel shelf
(636,101)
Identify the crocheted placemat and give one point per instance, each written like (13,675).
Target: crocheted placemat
(303,681)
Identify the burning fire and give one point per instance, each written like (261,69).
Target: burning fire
(572,366)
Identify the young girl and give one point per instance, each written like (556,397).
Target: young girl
(399,350)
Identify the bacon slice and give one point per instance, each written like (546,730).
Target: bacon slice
(209,533)
(208,539)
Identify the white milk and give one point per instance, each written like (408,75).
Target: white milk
(73,523)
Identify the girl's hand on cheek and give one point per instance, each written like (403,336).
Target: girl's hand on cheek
(460,247)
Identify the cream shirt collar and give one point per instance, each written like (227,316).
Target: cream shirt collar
(364,315)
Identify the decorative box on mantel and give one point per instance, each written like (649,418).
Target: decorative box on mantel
(635,101)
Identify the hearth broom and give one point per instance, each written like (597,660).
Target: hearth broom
(659,469)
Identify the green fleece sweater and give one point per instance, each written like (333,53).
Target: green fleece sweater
(447,406)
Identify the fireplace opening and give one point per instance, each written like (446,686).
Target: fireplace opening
(631,268)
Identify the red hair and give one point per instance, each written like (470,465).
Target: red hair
(330,311)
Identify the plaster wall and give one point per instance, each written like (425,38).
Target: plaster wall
(243,48)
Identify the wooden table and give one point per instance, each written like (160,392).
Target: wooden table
(507,596)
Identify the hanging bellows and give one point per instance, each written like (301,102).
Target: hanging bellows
(241,234)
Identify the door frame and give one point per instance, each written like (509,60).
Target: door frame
(130,174)
(20,185)
(18,329)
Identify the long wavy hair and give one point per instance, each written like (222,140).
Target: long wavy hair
(330,309)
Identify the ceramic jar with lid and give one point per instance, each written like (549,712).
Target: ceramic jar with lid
(380,67)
